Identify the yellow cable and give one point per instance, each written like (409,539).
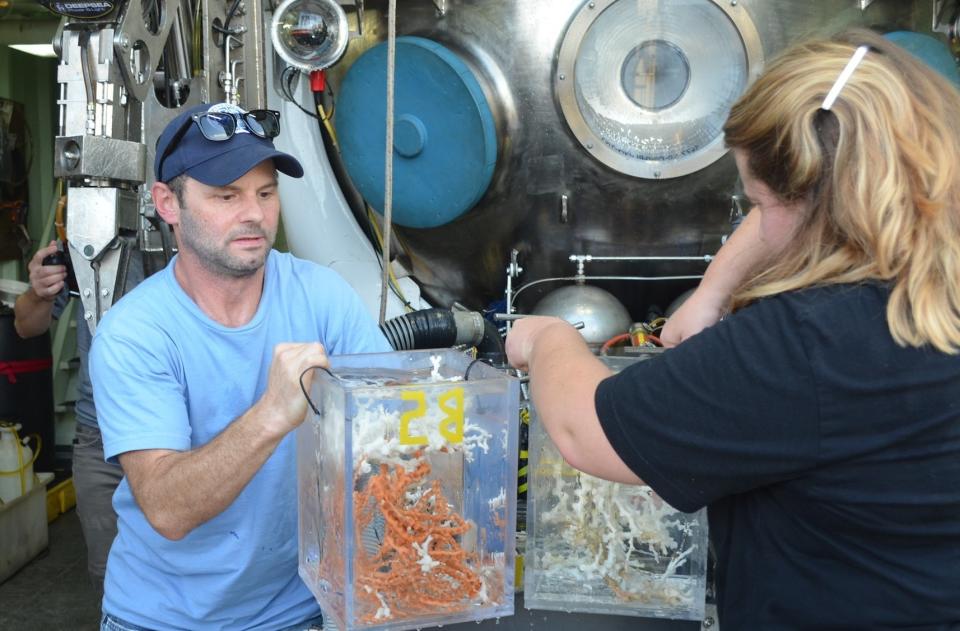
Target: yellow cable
(325,119)
(392,278)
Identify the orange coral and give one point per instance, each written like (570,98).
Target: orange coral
(420,566)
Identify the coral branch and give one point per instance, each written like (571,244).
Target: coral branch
(420,566)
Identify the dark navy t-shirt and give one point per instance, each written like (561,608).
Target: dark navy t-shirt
(829,458)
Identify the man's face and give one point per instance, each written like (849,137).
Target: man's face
(230,229)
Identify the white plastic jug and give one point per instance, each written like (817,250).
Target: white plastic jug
(16,464)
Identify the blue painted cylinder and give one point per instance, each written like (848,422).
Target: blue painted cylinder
(445,141)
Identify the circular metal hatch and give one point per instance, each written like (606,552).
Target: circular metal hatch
(646,85)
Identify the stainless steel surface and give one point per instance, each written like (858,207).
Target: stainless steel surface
(513,48)
(100,156)
(246,71)
(102,222)
(113,114)
(603,316)
(97,215)
(252,75)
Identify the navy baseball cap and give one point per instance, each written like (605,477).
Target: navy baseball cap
(217,163)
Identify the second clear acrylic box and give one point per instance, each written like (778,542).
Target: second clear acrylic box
(595,546)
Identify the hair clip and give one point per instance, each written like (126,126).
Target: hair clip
(841,81)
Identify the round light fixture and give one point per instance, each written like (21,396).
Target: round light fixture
(310,34)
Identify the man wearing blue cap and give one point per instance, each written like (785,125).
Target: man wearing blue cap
(196,378)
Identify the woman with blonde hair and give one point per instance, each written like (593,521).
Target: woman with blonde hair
(820,421)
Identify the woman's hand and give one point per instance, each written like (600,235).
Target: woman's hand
(523,335)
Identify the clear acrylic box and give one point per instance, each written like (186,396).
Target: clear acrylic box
(407,484)
(595,546)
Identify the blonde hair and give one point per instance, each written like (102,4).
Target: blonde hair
(880,173)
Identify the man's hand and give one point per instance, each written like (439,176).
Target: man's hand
(34,308)
(46,281)
(283,401)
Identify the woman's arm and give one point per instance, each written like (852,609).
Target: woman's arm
(564,375)
(735,261)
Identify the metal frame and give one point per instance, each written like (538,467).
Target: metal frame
(565,89)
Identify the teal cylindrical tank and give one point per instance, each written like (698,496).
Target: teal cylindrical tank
(445,141)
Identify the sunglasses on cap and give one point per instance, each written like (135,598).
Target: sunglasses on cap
(220,126)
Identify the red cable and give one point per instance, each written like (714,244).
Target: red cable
(613,340)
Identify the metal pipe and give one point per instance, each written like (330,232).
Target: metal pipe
(510,317)
(583,278)
(576,258)
(87,71)
(179,67)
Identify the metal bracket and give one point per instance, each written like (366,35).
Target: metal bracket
(358,8)
(513,271)
(99,219)
(945,16)
(139,50)
(100,157)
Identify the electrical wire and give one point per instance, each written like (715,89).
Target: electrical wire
(393,282)
(225,30)
(466,374)
(303,388)
(613,341)
(286,87)
(325,121)
(325,117)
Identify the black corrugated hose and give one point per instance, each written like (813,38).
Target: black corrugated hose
(442,328)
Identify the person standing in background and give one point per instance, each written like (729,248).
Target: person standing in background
(94,480)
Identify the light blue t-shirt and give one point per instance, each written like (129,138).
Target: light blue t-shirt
(166,376)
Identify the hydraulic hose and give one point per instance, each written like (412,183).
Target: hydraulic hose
(442,328)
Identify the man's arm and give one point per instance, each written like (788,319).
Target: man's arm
(736,260)
(33,309)
(178,491)
(564,376)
